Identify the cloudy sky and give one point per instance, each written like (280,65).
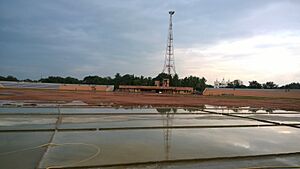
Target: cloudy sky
(235,39)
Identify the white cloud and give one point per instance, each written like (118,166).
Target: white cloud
(93,37)
(268,57)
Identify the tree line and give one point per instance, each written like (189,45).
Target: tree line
(198,83)
(268,85)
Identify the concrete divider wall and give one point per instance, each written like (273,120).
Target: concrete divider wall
(279,93)
(29,85)
(57,86)
(86,87)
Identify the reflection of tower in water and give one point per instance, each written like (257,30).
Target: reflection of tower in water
(167,118)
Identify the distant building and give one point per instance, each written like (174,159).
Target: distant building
(224,84)
(221,84)
(159,87)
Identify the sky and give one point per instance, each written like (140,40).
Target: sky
(231,39)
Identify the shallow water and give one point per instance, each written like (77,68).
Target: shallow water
(25,110)
(111,121)
(77,110)
(27,122)
(150,145)
(119,121)
(17,141)
(120,142)
(128,110)
(280,118)
(253,111)
(289,160)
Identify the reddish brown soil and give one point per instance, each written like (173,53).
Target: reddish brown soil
(134,99)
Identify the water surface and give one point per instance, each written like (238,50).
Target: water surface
(152,145)
(17,141)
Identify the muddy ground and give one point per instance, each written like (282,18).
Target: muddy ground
(146,99)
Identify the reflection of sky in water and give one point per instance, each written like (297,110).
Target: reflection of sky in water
(223,164)
(280,118)
(152,120)
(124,146)
(28,110)
(149,145)
(22,121)
(128,110)
(226,110)
(96,110)
(134,110)
(11,141)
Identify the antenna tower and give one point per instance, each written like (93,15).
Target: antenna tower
(169,56)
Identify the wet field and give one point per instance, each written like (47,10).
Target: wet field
(86,137)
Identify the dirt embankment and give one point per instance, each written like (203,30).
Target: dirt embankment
(132,99)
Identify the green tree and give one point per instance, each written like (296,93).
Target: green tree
(270,85)
(162,76)
(94,80)
(195,82)
(254,85)
(117,80)
(53,79)
(8,78)
(209,86)
(175,81)
(71,80)
(236,84)
(291,86)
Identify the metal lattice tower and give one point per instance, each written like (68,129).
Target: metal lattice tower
(168,122)
(169,56)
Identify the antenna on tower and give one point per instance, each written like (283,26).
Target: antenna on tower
(169,56)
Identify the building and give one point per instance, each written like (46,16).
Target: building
(159,87)
(222,84)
